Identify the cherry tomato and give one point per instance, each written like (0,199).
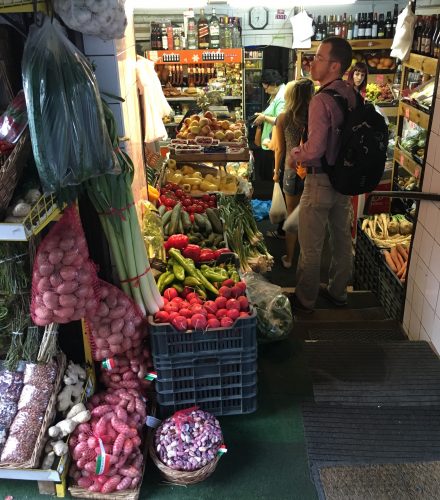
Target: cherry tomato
(179,193)
(191,217)
(199,209)
(186,202)
(206,197)
(169,186)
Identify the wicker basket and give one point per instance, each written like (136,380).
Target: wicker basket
(11,169)
(179,476)
(35,459)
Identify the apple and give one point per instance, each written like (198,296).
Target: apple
(187,121)
(195,130)
(219,135)
(205,130)
(194,117)
(208,114)
(225,124)
(229,135)
(203,122)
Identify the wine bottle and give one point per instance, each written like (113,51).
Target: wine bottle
(192,32)
(350,28)
(318,32)
(361,31)
(435,39)
(395,16)
(381,27)
(324,28)
(214,32)
(356,27)
(388,26)
(369,26)
(203,31)
(374,27)
(338,26)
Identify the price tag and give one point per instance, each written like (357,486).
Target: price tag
(416,173)
(407,113)
(151,421)
(402,159)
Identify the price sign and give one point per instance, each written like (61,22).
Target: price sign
(380,79)
(417,173)
(402,159)
(407,113)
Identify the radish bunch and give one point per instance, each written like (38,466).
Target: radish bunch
(116,425)
(63,277)
(192,312)
(117,326)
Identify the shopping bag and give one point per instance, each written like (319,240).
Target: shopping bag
(291,224)
(278,209)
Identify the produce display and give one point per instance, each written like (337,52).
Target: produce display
(119,371)
(199,299)
(378,93)
(188,440)
(242,234)
(207,125)
(414,141)
(192,181)
(388,231)
(380,62)
(106,451)
(407,182)
(397,260)
(63,278)
(12,124)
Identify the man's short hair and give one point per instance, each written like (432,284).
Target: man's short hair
(340,51)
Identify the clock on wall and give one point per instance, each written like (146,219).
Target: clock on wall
(258,18)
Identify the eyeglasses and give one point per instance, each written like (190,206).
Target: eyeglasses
(319,58)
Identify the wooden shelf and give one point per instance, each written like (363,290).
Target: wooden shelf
(424,64)
(406,162)
(210,157)
(374,43)
(189,98)
(414,115)
(197,56)
(390,111)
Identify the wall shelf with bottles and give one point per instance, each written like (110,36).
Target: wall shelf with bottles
(423,64)
(195,56)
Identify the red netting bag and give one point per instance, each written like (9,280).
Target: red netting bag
(64,278)
(117,327)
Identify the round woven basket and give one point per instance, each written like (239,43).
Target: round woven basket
(182,476)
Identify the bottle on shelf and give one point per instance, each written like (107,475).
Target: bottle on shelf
(375,27)
(170,37)
(381,27)
(177,39)
(191,33)
(222,31)
(350,28)
(228,33)
(361,30)
(388,26)
(356,27)
(417,38)
(338,26)
(369,26)
(395,16)
(214,31)
(435,48)
(203,31)
(236,36)
(324,28)
(344,26)
(331,26)
(164,36)
(428,35)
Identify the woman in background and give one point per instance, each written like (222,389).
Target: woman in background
(358,77)
(273,86)
(290,130)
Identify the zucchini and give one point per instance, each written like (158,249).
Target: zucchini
(186,221)
(180,226)
(200,221)
(215,221)
(162,209)
(208,226)
(175,218)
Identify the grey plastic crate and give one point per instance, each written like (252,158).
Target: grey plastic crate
(223,385)
(168,343)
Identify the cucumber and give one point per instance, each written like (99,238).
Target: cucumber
(175,218)
(208,227)
(166,217)
(162,209)
(200,221)
(186,221)
(180,226)
(215,221)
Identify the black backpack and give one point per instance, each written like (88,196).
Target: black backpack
(364,140)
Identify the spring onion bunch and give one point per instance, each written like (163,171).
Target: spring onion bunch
(112,197)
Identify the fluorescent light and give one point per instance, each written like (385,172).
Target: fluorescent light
(169,4)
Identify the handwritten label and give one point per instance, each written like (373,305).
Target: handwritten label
(407,113)
(402,160)
(281,14)
(416,173)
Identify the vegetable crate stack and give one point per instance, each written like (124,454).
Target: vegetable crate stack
(381,259)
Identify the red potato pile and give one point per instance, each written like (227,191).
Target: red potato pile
(117,420)
(191,312)
(128,373)
(117,326)
(63,277)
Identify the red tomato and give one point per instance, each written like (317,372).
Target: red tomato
(186,202)
(206,197)
(212,204)
(213,197)
(199,209)
(179,193)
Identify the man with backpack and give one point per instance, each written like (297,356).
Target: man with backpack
(322,205)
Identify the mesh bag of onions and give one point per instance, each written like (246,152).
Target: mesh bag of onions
(64,278)
(117,326)
(188,440)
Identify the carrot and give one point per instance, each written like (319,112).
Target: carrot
(402,270)
(394,256)
(389,261)
(402,251)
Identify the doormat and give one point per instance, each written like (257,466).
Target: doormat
(409,481)
(368,374)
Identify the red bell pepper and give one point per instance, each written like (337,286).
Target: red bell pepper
(179,241)
(206,254)
(192,252)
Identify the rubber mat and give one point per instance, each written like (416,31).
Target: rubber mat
(364,435)
(381,482)
(386,374)
(356,334)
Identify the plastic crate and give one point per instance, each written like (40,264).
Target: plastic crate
(222,385)
(391,292)
(168,343)
(366,262)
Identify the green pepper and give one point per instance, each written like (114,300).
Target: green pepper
(161,280)
(213,276)
(178,287)
(167,280)
(191,281)
(178,271)
(201,293)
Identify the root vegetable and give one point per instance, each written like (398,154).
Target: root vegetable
(389,260)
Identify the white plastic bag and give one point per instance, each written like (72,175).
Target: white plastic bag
(402,41)
(291,224)
(103,18)
(278,210)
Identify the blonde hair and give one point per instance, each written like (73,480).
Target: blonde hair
(297,97)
